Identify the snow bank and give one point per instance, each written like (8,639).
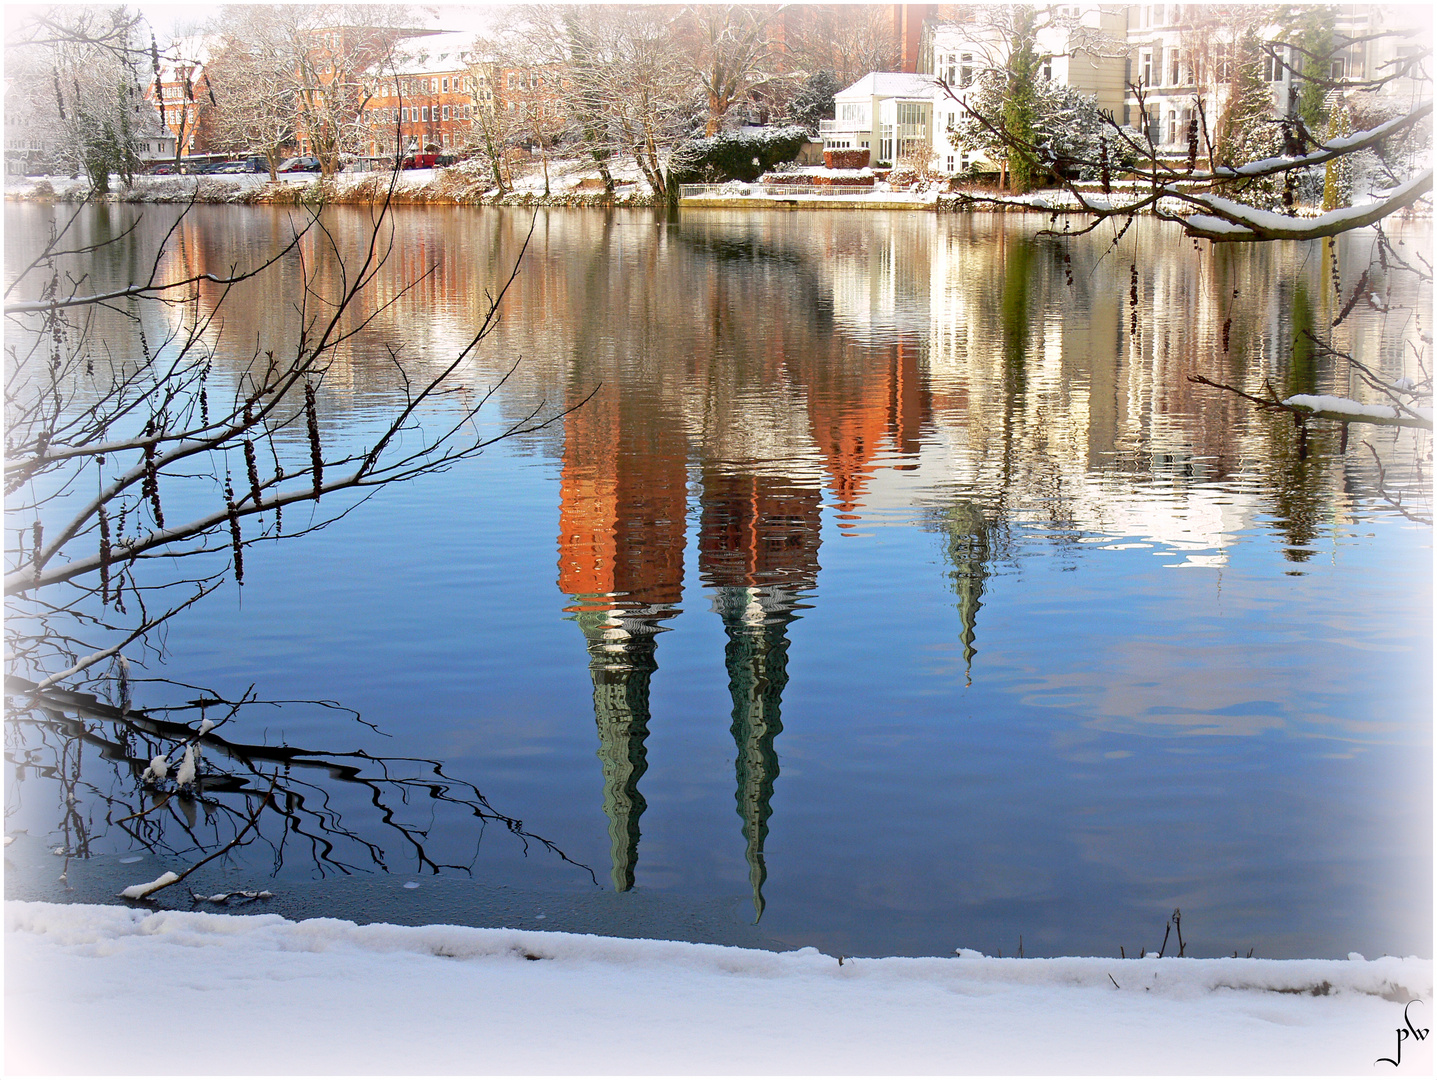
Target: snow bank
(96,989)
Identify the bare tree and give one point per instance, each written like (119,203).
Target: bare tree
(493,129)
(727,49)
(79,74)
(317,64)
(849,40)
(251,77)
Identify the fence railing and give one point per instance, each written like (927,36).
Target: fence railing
(764,191)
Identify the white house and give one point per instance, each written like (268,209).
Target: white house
(887,113)
(890,114)
(1182,54)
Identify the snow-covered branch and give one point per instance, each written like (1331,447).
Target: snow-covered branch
(1228,219)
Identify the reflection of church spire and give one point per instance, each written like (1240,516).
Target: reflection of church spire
(623,499)
(621,662)
(756,620)
(969,551)
(758,549)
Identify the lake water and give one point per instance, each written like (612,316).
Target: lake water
(891,587)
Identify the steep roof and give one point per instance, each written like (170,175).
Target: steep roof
(890,84)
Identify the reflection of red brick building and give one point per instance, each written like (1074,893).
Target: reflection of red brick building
(853,417)
(758,548)
(623,499)
(758,530)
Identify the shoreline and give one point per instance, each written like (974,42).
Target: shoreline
(262,994)
(446,188)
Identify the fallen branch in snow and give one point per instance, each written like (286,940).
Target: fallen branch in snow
(165,880)
(139,892)
(245,896)
(1347,411)
(1327,407)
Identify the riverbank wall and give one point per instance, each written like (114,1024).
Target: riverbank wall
(446,187)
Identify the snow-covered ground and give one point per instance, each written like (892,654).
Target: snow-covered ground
(565,176)
(98,989)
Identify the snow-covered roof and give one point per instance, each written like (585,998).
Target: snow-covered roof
(890,84)
(437,53)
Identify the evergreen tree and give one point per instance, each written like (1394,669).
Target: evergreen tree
(1248,130)
(1317,40)
(1337,184)
(1020,101)
(814,100)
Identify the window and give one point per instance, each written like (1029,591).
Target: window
(1175,68)
(444,84)
(911,113)
(1222,62)
(404,115)
(1048,70)
(965,71)
(1272,66)
(1147,61)
(446,112)
(424,114)
(434,86)
(1339,69)
(1172,127)
(950,162)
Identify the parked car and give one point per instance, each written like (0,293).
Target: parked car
(229,167)
(419,161)
(163,170)
(300,164)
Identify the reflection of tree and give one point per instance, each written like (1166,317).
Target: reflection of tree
(1302,369)
(49,733)
(1017,300)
